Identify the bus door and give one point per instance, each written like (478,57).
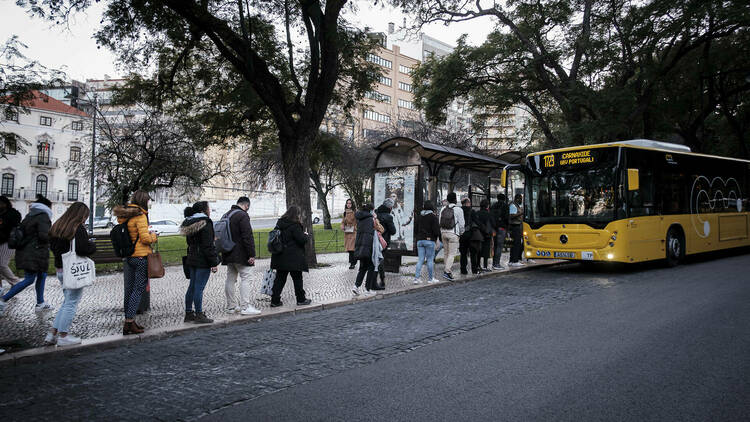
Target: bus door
(645,234)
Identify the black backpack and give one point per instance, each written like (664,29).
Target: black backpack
(15,239)
(275,244)
(121,242)
(447,219)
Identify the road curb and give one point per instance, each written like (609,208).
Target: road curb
(115,340)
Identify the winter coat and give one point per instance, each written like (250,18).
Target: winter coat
(349,221)
(499,211)
(484,222)
(472,232)
(201,251)
(428,227)
(9,219)
(242,236)
(365,232)
(137,219)
(84,246)
(33,256)
(294,239)
(386,219)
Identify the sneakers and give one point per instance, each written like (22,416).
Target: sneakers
(43,307)
(355,290)
(448,276)
(68,340)
(189,316)
(515,264)
(250,310)
(276,305)
(433,281)
(232,310)
(201,318)
(351,266)
(50,339)
(498,267)
(304,302)
(370,293)
(417,281)
(530,261)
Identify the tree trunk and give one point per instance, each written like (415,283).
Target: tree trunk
(295,155)
(326,215)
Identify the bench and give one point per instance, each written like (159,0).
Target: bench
(105,253)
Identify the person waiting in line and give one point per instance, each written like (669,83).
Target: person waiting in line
(202,259)
(367,224)
(68,227)
(515,211)
(470,241)
(428,234)
(9,218)
(135,267)
(292,260)
(385,218)
(451,227)
(240,260)
(487,228)
(499,211)
(349,227)
(33,255)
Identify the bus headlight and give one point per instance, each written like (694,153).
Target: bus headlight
(610,256)
(528,253)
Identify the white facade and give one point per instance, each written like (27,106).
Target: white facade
(56,134)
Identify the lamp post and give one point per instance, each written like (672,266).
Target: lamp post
(93,156)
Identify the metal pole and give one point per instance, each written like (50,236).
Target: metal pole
(93,155)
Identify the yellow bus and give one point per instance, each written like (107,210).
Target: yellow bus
(633,201)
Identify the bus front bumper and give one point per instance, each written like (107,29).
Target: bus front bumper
(608,254)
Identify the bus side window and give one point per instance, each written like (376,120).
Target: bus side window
(641,201)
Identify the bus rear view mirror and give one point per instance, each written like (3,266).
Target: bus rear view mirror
(504,178)
(633,182)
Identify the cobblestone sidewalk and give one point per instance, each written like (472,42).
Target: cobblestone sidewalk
(100,311)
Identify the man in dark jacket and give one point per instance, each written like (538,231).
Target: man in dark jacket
(386,220)
(499,211)
(487,227)
(33,256)
(470,241)
(9,218)
(240,259)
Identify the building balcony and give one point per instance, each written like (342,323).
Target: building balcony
(46,162)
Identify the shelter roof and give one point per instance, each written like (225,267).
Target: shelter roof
(443,154)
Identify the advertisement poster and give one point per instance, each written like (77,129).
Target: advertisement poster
(399,184)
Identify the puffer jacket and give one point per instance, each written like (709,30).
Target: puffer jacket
(137,219)
(365,232)
(9,219)
(294,239)
(199,232)
(33,256)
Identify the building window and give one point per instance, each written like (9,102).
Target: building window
(379,60)
(406,104)
(42,155)
(11,115)
(8,184)
(73,190)
(41,185)
(404,86)
(10,147)
(377,96)
(373,115)
(386,80)
(405,69)
(373,134)
(77,125)
(75,153)
(45,121)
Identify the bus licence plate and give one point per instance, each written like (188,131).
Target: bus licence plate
(565,254)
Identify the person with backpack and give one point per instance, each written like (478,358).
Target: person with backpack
(385,218)
(202,259)
(240,259)
(68,228)
(10,218)
(32,255)
(134,218)
(487,228)
(470,241)
(428,233)
(451,227)
(349,227)
(291,259)
(367,225)
(499,211)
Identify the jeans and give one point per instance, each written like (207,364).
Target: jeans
(230,289)
(29,278)
(194,295)
(426,253)
(68,309)
(366,267)
(280,281)
(499,242)
(450,243)
(517,248)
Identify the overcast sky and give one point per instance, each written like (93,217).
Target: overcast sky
(74,50)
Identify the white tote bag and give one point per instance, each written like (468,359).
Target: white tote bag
(266,288)
(78,271)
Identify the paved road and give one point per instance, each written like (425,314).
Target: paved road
(566,343)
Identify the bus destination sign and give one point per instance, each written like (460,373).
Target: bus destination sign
(569,158)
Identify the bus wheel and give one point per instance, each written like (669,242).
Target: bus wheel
(675,247)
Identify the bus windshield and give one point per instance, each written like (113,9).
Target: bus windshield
(574,194)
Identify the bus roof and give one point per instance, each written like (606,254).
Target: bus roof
(639,144)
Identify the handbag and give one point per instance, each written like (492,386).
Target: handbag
(266,287)
(383,244)
(78,271)
(155,266)
(349,229)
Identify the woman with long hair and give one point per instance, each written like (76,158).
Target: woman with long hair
(135,267)
(349,227)
(291,261)
(367,224)
(69,226)
(202,258)
(428,234)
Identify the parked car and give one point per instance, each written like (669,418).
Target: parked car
(101,223)
(165,227)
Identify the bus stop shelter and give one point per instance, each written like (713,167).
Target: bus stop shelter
(410,171)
